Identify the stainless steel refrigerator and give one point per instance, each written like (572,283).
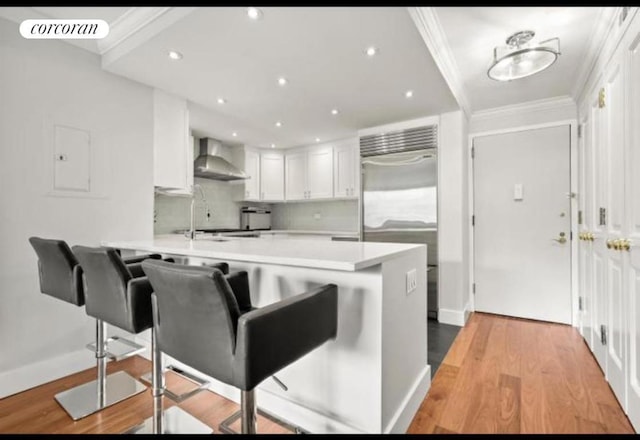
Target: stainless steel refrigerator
(400,202)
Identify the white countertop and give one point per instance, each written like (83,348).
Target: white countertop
(303,232)
(336,255)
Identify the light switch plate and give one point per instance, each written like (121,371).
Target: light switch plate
(412,281)
(518,191)
(317,216)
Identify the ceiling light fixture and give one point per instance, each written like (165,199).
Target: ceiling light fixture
(317,139)
(278,124)
(254,13)
(234,134)
(520,59)
(175,55)
(408,94)
(273,145)
(334,111)
(222,101)
(371,51)
(282,81)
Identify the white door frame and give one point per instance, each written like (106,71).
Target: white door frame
(573,124)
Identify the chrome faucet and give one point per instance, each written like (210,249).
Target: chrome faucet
(192,223)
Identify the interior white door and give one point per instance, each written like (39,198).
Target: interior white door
(632,215)
(522,224)
(296,176)
(320,172)
(616,338)
(598,248)
(586,219)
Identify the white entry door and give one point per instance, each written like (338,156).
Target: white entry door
(523,224)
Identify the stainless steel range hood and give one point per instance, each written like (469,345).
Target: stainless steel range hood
(211,165)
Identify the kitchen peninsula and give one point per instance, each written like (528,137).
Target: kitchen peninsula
(374,376)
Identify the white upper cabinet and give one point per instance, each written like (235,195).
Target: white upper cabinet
(172,150)
(309,173)
(252,168)
(296,176)
(320,172)
(346,169)
(271,176)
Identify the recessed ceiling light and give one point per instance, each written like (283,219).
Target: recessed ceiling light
(234,134)
(317,139)
(175,55)
(254,13)
(278,124)
(273,145)
(409,94)
(334,111)
(282,81)
(222,101)
(371,51)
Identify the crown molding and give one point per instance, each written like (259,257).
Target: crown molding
(604,25)
(128,24)
(530,107)
(428,24)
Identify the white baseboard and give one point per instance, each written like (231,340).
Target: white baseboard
(452,317)
(38,373)
(404,416)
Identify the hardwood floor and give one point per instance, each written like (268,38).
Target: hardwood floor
(35,411)
(501,375)
(509,375)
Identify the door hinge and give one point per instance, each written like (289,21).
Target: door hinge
(579,217)
(473,288)
(603,334)
(603,216)
(570,235)
(579,130)
(601,101)
(473,220)
(580,304)
(473,152)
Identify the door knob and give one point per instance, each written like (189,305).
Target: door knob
(562,238)
(625,245)
(609,244)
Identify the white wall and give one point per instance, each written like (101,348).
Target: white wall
(453,218)
(46,82)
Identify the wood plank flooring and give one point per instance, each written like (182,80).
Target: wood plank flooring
(510,375)
(501,375)
(35,411)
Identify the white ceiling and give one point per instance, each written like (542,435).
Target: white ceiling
(319,50)
(473,32)
(108,14)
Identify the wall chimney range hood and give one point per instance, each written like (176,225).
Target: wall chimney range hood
(211,165)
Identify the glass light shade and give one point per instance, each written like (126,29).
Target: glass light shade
(524,62)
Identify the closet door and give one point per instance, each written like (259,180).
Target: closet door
(616,337)
(631,44)
(598,245)
(586,220)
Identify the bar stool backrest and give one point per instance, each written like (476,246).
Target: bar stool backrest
(106,278)
(58,269)
(195,316)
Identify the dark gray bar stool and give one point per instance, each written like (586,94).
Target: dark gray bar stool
(61,276)
(199,320)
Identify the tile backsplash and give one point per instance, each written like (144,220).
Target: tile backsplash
(172,213)
(329,215)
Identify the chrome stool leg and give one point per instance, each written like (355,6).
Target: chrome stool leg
(175,420)
(105,391)
(248,415)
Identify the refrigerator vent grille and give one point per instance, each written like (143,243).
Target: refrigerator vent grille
(399,141)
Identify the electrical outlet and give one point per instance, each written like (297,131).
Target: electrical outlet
(412,280)
(317,216)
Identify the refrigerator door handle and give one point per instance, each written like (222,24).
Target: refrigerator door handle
(412,161)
